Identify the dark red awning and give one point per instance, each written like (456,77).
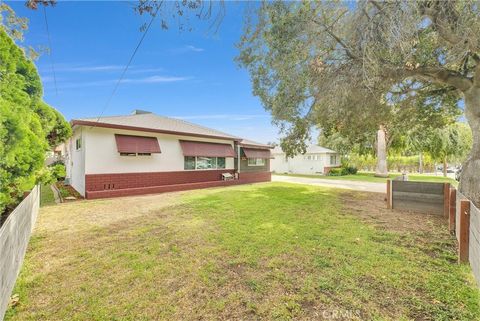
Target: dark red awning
(206,149)
(137,144)
(256,153)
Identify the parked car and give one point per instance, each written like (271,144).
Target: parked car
(450,169)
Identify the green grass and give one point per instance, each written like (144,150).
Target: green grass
(46,196)
(370,177)
(266,251)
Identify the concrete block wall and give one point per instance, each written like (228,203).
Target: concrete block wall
(14,236)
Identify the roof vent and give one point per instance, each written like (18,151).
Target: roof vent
(139,112)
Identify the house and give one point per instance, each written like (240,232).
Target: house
(316,160)
(146,153)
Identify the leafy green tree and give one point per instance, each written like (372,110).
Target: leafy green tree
(28,126)
(452,143)
(306,57)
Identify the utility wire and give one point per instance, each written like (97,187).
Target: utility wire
(128,64)
(50,50)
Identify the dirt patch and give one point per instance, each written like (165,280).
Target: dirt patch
(372,208)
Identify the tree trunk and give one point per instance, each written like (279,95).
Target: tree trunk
(381,170)
(420,163)
(445,166)
(470,177)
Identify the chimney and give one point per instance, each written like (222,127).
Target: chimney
(139,112)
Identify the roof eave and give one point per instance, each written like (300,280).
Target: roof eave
(77,122)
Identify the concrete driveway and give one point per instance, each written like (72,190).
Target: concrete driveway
(353,185)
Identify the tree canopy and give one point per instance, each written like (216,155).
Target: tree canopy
(28,126)
(311,60)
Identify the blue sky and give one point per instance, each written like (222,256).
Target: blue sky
(191,75)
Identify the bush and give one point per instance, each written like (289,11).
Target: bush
(344,170)
(338,172)
(58,172)
(351,170)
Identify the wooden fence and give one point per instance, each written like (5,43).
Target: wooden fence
(14,236)
(442,198)
(425,197)
(466,226)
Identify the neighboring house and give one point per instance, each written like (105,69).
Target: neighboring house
(146,153)
(316,160)
(55,155)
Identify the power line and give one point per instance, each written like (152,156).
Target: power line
(128,64)
(50,51)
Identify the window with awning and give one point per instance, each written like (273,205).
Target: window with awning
(138,145)
(256,153)
(192,149)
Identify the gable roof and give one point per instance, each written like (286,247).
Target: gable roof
(312,149)
(150,122)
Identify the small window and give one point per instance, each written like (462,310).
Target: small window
(256,162)
(135,154)
(189,162)
(200,162)
(78,143)
(220,162)
(333,159)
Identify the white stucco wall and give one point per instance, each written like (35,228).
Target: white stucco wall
(102,156)
(300,165)
(75,161)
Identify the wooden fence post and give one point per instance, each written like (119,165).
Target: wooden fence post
(453,210)
(389,194)
(464,231)
(446,200)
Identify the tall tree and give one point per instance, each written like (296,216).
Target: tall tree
(28,126)
(304,55)
(451,143)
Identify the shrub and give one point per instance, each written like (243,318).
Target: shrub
(58,172)
(351,170)
(341,171)
(344,170)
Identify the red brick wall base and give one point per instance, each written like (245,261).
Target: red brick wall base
(115,185)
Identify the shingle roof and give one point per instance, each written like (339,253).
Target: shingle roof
(154,122)
(312,149)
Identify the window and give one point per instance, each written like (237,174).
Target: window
(333,159)
(220,162)
(256,161)
(135,154)
(78,143)
(200,162)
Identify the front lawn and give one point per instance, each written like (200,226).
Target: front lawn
(266,251)
(370,177)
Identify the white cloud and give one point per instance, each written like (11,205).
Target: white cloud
(111,82)
(156,79)
(187,48)
(103,68)
(193,48)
